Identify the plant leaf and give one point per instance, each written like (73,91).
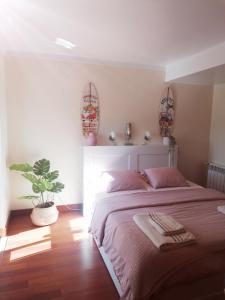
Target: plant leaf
(41,167)
(52,175)
(48,185)
(36,188)
(29,197)
(42,185)
(57,187)
(21,167)
(32,178)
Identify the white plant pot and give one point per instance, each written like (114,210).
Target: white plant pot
(42,216)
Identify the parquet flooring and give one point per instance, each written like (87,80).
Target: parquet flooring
(60,261)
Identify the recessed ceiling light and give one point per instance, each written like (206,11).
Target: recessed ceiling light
(64,43)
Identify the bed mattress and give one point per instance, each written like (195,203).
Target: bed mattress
(142,269)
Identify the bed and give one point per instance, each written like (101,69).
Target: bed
(139,270)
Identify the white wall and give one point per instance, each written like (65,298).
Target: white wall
(4,199)
(44,115)
(217,134)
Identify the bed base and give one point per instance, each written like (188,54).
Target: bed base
(110,269)
(209,288)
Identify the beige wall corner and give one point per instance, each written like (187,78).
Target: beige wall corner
(217,133)
(192,128)
(4,197)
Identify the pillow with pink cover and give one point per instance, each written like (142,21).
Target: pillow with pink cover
(165,177)
(122,180)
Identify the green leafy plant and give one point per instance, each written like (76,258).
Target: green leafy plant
(42,179)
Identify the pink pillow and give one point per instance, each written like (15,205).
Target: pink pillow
(165,177)
(122,181)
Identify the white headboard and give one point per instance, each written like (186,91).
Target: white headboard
(97,159)
(137,158)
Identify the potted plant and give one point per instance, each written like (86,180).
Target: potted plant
(44,186)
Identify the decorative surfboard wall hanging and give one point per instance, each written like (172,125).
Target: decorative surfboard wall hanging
(89,110)
(167,112)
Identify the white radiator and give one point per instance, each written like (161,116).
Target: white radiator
(216,177)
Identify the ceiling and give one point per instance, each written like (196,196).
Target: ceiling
(141,32)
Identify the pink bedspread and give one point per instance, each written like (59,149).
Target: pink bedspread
(143,269)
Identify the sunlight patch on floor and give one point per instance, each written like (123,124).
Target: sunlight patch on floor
(30,238)
(77,224)
(30,250)
(80,236)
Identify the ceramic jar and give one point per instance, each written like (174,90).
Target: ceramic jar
(91,139)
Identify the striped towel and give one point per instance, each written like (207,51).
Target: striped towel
(221,209)
(163,242)
(165,224)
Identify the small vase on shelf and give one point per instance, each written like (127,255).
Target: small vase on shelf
(91,139)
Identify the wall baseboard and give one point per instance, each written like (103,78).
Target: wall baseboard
(2,232)
(65,208)
(27,211)
(61,208)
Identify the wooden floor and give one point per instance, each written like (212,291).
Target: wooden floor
(53,262)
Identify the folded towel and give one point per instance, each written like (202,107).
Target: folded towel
(221,209)
(163,242)
(165,224)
